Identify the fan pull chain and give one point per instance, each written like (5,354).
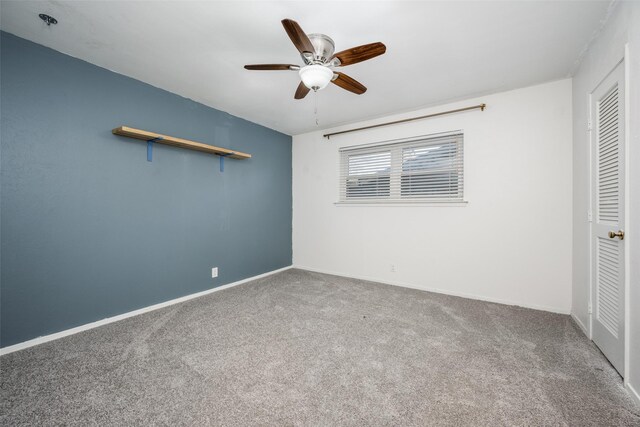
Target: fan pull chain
(315,108)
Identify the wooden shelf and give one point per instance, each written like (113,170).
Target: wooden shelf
(179,142)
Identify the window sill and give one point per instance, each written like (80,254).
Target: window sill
(405,203)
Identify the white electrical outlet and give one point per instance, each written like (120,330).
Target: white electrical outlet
(214,272)
(393,268)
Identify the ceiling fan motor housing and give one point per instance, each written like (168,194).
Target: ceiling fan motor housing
(324,48)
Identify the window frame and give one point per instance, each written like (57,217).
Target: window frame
(396,148)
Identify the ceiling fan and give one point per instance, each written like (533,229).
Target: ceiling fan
(317,52)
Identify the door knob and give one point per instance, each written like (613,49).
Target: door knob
(619,234)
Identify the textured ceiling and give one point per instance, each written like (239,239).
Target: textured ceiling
(436,51)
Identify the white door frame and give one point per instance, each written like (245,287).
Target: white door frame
(627,276)
(627,205)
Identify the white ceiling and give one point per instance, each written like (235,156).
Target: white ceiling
(436,51)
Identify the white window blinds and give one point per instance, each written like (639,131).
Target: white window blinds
(426,169)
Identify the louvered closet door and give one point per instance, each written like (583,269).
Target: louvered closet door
(607,138)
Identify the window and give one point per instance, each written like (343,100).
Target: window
(369,175)
(425,169)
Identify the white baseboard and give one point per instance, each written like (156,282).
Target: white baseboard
(633,393)
(580,324)
(67,332)
(439,291)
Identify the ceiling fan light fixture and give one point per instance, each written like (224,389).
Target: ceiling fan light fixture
(316,77)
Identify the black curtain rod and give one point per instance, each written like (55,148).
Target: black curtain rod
(475,107)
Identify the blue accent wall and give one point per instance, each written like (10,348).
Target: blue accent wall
(89,229)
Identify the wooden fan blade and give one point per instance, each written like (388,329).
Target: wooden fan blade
(360,53)
(271,67)
(297,36)
(302,91)
(347,83)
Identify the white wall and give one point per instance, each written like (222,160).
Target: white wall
(622,28)
(511,243)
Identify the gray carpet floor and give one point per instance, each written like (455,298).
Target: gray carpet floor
(301,348)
